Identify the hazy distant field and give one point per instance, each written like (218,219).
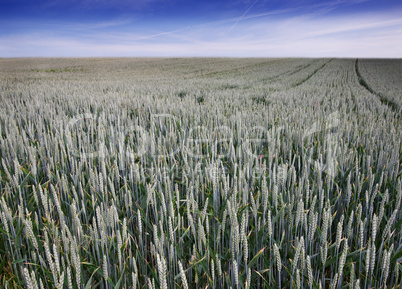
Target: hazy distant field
(200,173)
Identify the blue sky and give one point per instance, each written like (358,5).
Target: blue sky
(255,28)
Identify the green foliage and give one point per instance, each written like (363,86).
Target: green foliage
(288,174)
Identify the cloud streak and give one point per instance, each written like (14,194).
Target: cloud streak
(299,32)
(241,17)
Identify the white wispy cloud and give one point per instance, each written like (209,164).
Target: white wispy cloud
(244,14)
(312,9)
(309,35)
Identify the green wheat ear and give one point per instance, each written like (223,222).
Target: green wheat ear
(184,173)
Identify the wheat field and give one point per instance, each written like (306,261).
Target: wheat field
(200,173)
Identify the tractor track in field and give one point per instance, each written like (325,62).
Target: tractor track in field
(234,70)
(302,67)
(288,72)
(292,72)
(381,97)
(311,74)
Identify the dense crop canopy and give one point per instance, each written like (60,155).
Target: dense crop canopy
(196,173)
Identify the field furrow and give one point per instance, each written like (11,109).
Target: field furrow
(196,173)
